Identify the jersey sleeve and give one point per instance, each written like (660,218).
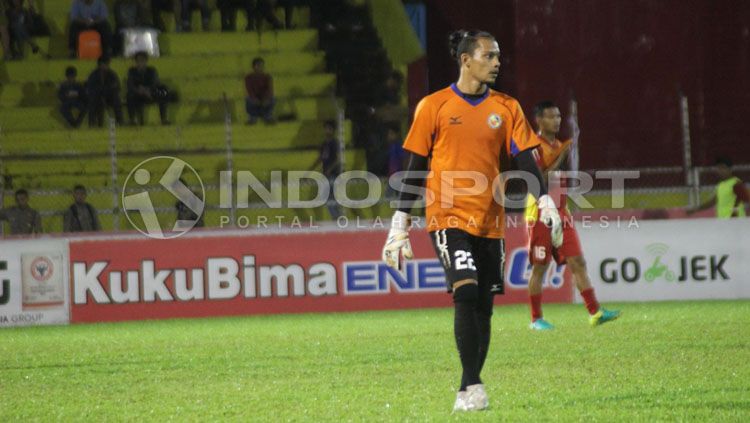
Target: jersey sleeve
(423,129)
(522,137)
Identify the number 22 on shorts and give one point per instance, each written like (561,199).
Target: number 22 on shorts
(464,260)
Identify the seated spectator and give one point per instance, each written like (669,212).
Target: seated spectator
(103,90)
(89,15)
(22,218)
(228,10)
(159,6)
(4,35)
(329,158)
(144,88)
(187,12)
(259,86)
(80,216)
(72,95)
(20,21)
(185,214)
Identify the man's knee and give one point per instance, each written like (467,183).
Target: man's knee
(465,291)
(577,263)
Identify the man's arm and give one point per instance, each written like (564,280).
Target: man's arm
(415,168)
(742,195)
(68,221)
(76,13)
(101,12)
(707,205)
(95,219)
(526,162)
(37,227)
(558,161)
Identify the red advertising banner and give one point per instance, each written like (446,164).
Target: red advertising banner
(220,274)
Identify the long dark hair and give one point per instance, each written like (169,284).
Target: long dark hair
(462,41)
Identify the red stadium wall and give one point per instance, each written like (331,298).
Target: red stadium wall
(625,62)
(221,275)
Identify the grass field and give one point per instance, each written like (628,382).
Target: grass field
(661,361)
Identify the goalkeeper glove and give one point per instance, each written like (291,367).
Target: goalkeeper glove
(398,244)
(549,216)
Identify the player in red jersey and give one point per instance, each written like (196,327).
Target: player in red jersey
(550,155)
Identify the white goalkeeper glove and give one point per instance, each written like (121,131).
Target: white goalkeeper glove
(398,244)
(549,216)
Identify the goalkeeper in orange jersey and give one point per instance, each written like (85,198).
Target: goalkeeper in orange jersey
(550,154)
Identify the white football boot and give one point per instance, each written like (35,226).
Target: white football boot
(460,404)
(476,398)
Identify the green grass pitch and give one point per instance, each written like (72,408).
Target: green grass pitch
(659,361)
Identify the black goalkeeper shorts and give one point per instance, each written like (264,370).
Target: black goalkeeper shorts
(465,256)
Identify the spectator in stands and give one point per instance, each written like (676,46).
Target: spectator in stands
(130,14)
(144,88)
(396,153)
(731,198)
(80,216)
(72,95)
(288,6)
(260,100)
(228,10)
(184,212)
(159,6)
(389,109)
(20,21)
(329,158)
(89,15)
(264,9)
(103,89)
(4,35)
(22,218)
(187,12)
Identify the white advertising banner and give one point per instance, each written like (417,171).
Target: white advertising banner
(34,279)
(676,259)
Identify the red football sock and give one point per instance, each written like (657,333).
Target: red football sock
(589,298)
(535,301)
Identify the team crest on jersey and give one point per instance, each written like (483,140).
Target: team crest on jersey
(494,121)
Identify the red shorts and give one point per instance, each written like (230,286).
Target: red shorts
(540,242)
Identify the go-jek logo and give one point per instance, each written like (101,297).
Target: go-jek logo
(141,197)
(519,271)
(698,268)
(4,284)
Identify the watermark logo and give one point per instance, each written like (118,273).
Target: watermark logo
(143,196)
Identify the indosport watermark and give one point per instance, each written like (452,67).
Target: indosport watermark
(160,187)
(160,184)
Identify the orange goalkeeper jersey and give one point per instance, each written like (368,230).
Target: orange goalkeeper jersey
(464,138)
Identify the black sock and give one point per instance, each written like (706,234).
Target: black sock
(466,331)
(483,321)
